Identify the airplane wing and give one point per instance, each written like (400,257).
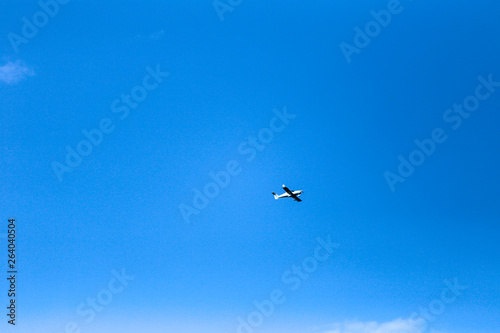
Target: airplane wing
(295,197)
(288,190)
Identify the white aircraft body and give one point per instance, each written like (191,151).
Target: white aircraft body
(289,194)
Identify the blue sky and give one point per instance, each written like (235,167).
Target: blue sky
(175,91)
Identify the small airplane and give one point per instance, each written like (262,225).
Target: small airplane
(289,194)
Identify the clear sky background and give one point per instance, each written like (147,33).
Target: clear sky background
(119,208)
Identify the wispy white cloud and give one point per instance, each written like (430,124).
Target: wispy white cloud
(13,72)
(396,326)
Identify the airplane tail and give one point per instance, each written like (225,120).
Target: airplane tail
(275,196)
